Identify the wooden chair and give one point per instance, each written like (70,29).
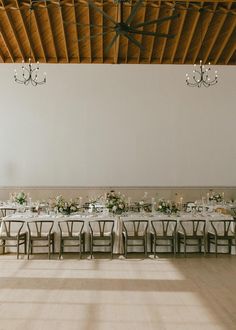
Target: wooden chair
(71,231)
(11,230)
(101,234)
(163,231)
(39,231)
(192,233)
(221,233)
(7,211)
(135,231)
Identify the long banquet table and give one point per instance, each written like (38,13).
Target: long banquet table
(118,244)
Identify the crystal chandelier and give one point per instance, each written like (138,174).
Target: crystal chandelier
(201,76)
(29,73)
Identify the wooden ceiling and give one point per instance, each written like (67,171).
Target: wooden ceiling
(53,37)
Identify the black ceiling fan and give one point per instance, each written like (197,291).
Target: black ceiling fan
(125,28)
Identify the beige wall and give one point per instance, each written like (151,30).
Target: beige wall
(116,125)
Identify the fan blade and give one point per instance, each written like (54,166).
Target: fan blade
(154,34)
(133,12)
(111,44)
(134,41)
(92,4)
(157,21)
(94,36)
(89,25)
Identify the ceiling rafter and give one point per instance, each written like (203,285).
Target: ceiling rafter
(1,57)
(144,10)
(26,31)
(230,54)
(216,34)
(165,40)
(63,32)
(51,31)
(89,40)
(177,38)
(9,19)
(7,45)
(191,33)
(39,36)
(127,40)
(154,38)
(224,43)
(102,39)
(204,31)
(77,31)
(117,43)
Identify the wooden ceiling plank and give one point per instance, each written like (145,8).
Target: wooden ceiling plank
(204,31)
(153,39)
(25,30)
(191,33)
(226,39)
(51,31)
(165,39)
(230,54)
(1,57)
(77,31)
(39,36)
(89,39)
(216,34)
(117,43)
(177,38)
(144,9)
(63,32)
(102,39)
(9,19)
(7,45)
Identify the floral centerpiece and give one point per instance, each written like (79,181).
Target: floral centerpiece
(217,197)
(115,202)
(65,207)
(20,198)
(167,207)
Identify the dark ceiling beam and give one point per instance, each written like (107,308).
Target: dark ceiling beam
(230,53)
(167,29)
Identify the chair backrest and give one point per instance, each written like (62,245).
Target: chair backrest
(101,226)
(164,227)
(40,227)
(71,227)
(7,211)
(193,227)
(223,227)
(135,227)
(11,227)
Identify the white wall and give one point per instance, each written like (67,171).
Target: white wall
(117,125)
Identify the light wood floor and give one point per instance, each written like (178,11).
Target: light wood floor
(133,294)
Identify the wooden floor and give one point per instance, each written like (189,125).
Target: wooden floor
(100,294)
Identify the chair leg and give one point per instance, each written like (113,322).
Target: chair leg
(208,244)
(91,247)
(60,249)
(111,247)
(3,246)
(145,246)
(184,246)
(230,244)
(216,247)
(126,247)
(155,248)
(49,248)
(178,243)
(29,248)
(200,245)
(18,247)
(25,245)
